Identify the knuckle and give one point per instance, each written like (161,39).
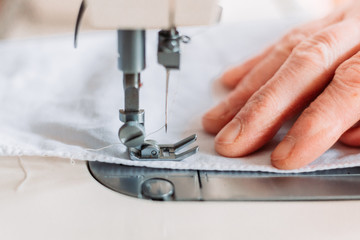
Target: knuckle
(348,73)
(317,116)
(264,101)
(317,50)
(308,118)
(295,37)
(312,111)
(236,99)
(291,40)
(324,111)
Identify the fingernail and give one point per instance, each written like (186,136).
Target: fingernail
(217,112)
(230,132)
(283,150)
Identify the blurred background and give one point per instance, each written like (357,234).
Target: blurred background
(28,18)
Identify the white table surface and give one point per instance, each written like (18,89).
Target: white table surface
(42,198)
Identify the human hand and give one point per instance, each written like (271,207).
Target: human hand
(317,63)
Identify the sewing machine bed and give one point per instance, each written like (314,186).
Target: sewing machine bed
(190,185)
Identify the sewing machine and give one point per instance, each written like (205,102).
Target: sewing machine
(131,18)
(178,185)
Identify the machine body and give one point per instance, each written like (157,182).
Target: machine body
(131,18)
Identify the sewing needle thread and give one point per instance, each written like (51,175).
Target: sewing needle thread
(102,148)
(167,98)
(172,26)
(155,131)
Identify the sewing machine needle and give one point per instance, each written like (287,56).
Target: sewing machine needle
(167,98)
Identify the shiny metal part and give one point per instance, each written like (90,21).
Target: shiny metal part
(340,184)
(132,134)
(131,48)
(169,48)
(129,180)
(151,150)
(138,116)
(131,84)
(169,54)
(157,189)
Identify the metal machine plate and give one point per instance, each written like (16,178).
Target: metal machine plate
(180,185)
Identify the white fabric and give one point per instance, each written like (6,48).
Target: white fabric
(57,101)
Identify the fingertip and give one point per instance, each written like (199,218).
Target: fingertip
(291,155)
(284,164)
(351,137)
(210,125)
(279,164)
(232,77)
(216,118)
(290,163)
(231,150)
(232,141)
(281,156)
(240,148)
(226,150)
(226,142)
(284,156)
(284,149)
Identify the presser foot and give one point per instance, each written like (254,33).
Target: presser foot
(151,151)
